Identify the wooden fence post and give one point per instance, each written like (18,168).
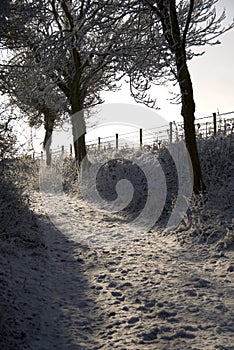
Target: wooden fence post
(62,150)
(206,130)
(116,141)
(70,149)
(99,143)
(41,155)
(215,124)
(140,138)
(170,132)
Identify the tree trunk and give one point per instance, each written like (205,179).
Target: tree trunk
(187,111)
(80,149)
(48,155)
(78,131)
(171,29)
(77,118)
(49,126)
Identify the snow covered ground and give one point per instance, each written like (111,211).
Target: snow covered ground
(155,291)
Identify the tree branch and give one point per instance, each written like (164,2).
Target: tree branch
(152,7)
(55,13)
(186,28)
(67,13)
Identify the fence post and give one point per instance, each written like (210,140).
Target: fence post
(99,143)
(215,124)
(206,130)
(41,155)
(140,138)
(70,149)
(170,132)
(62,150)
(117,141)
(225,126)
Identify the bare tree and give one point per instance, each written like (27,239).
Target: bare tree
(19,78)
(170,31)
(28,90)
(72,47)
(7,137)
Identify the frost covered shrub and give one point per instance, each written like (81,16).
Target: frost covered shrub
(69,175)
(140,168)
(217,161)
(23,172)
(7,139)
(18,223)
(210,216)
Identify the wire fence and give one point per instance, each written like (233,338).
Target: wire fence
(205,127)
(173,132)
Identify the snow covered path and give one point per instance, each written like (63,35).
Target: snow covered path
(149,294)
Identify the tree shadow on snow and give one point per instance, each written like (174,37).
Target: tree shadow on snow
(46,300)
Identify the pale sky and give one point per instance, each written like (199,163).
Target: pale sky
(212,76)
